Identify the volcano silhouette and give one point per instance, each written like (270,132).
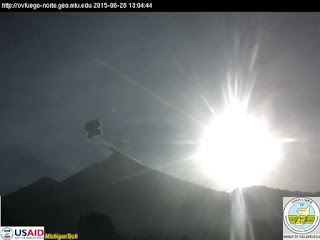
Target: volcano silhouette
(143,204)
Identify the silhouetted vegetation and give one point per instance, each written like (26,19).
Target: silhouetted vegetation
(96,226)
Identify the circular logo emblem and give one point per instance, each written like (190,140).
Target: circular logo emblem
(301,215)
(6,233)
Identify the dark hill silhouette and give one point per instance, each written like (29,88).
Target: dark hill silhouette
(141,202)
(37,189)
(26,198)
(265,204)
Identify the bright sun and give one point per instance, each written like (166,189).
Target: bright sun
(237,149)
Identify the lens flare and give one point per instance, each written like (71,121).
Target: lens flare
(238,148)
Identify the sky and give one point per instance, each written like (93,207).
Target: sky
(144,76)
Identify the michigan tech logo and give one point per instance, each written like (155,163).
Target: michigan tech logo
(301,215)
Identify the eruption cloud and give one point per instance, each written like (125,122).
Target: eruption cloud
(93,130)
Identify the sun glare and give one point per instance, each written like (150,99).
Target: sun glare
(237,148)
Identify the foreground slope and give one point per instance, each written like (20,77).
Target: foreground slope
(143,204)
(139,200)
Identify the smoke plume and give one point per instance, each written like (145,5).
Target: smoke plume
(94,130)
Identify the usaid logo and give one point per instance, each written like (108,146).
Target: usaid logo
(6,233)
(13,233)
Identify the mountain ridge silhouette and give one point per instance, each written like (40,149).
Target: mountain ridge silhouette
(141,202)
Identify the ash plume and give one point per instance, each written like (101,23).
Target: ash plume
(94,130)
